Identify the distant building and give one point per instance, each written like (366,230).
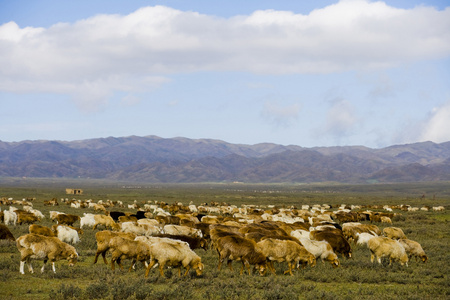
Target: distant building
(74,191)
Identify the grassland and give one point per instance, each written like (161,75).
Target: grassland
(357,278)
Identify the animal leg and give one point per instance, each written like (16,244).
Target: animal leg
(152,263)
(30,267)
(272,268)
(229,264)
(289,270)
(133,265)
(161,270)
(43,266)
(53,267)
(248,267)
(119,262)
(242,269)
(187,270)
(22,264)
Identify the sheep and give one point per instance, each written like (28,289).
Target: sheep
(386,220)
(103,242)
(53,214)
(234,247)
(413,248)
(122,248)
(299,233)
(285,250)
(336,240)
(145,221)
(182,230)
(106,221)
(321,249)
(5,233)
(123,219)
(143,229)
(98,207)
(10,217)
(67,219)
(116,214)
(87,220)
(172,254)
(35,246)
(26,217)
(193,242)
(350,230)
(380,247)
(67,234)
(363,237)
(42,230)
(394,233)
(36,213)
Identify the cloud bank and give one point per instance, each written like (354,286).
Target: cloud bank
(95,57)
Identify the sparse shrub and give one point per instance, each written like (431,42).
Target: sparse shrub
(66,292)
(97,290)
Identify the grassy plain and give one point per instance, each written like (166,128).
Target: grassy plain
(357,278)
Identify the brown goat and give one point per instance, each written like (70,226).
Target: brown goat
(234,247)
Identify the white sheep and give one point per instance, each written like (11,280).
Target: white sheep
(87,220)
(67,234)
(9,217)
(300,233)
(175,255)
(363,237)
(321,249)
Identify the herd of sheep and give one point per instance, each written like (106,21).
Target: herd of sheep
(166,235)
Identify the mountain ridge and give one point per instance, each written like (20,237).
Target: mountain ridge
(155,159)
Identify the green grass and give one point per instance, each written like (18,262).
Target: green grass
(357,278)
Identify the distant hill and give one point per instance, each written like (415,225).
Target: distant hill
(155,159)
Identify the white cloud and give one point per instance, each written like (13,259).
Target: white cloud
(437,126)
(118,53)
(341,119)
(280,115)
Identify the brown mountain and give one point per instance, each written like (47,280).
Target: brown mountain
(155,159)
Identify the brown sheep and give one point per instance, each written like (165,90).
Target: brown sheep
(123,219)
(123,248)
(67,219)
(413,248)
(285,250)
(394,233)
(336,241)
(35,246)
(26,218)
(106,221)
(380,247)
(42,230)
(103,242)
(234,247)
(5,233)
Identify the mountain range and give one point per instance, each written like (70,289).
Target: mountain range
(154,159)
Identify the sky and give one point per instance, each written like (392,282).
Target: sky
(306,73)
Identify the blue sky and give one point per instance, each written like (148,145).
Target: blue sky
(307,73)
